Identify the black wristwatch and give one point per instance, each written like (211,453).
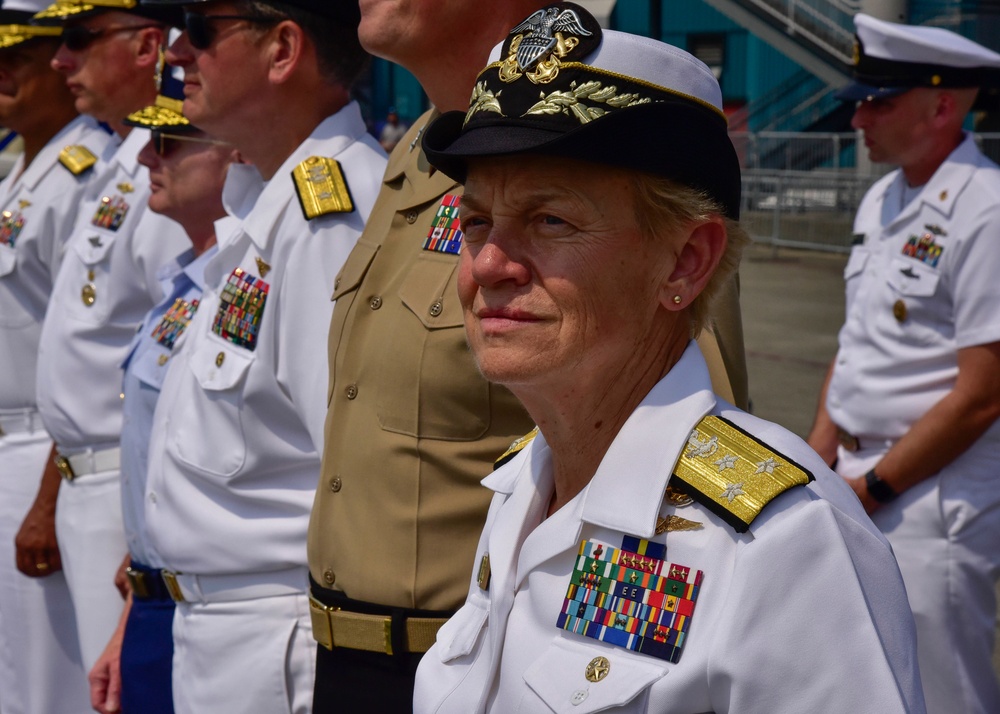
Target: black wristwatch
(879,489)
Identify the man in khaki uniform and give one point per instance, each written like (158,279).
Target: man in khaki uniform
(412,426)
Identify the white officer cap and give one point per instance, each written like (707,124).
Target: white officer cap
(890,58)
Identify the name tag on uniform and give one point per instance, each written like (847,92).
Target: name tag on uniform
(631,597)
(445,236)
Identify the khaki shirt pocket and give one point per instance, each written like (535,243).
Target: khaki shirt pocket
(429,386)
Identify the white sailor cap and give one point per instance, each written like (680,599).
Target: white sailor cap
(890,59)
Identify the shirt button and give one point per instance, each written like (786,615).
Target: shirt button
(436,308)
(220,358)
(336,484)
(336,284)
(329,577)
(375,303)
(351,391)
(411,216)
(579,696)
(162,360)
(152,497)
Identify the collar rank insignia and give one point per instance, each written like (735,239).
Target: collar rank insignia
(241,309)
(111,212)
(515,448)
(733,474)
(321,187)
(174,322)
(77,159)
(445,236)
(924,249)
(631,597)
(545,38)
(11,225)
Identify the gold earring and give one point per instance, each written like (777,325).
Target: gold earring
(678,299)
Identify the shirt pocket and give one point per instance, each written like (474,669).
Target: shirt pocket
(211,437)
(429,386)
(558,678)
(86,276)
(921,315)
(911,278)
(8,259)
(853,270)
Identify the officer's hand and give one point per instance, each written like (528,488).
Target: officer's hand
(37,551)
(121,578)
(105,678)
(861,491)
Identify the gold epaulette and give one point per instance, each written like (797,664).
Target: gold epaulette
(514,448)
(321,187)
(732,473)
(77,159)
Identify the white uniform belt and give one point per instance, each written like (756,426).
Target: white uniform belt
(19,422)
(185,587)
(89,462)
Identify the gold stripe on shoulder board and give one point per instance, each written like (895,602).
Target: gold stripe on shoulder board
(732,473)
(77,159)
(321,187)
(514,448)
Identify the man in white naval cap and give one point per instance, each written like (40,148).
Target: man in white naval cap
(914,392)
(40,669)
(109,57)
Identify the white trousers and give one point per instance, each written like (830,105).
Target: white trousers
(249,656)
(40,669)
(92,547)
(949,566)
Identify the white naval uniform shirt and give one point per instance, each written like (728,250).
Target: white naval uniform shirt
(82,347)
(939,260)
(234,457)
(805,612)
(44,200)
(145,369)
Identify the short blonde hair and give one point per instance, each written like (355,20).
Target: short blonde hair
(664,206)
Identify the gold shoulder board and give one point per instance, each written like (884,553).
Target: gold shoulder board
(732,473)
(321,187)
(77,159)
(514,448)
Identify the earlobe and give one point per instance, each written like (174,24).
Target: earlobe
(696,263)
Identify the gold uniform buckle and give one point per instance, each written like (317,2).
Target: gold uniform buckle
(173,587)
(848,440)
(64,467)
(137,580)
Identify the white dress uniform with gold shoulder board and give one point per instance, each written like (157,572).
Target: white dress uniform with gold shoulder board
(756,584)
(105,286)
(921,285)
(234,457)
(40,668)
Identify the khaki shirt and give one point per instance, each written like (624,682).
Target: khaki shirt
(412,426)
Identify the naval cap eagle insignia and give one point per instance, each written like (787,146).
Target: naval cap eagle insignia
(536,46)
(540,38)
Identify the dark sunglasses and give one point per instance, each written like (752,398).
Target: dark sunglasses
(201,33)
(78,38)
(165,143)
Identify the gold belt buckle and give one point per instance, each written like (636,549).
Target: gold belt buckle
(322,626)
(173,587)
(848,440)
(137,579)
(64,467)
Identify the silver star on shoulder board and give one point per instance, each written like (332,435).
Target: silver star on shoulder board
(767,466)
(726,462)
(732,491)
